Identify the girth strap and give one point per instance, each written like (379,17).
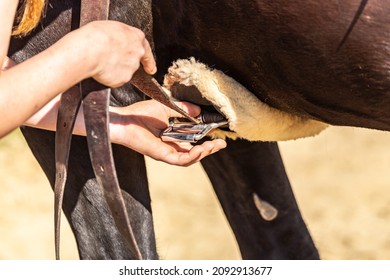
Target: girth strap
(95,105)
(67,113)
(92,10)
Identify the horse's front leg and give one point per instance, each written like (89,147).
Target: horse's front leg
(84,205)
(247,168)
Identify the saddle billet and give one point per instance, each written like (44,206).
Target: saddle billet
(95,100)
(67,112)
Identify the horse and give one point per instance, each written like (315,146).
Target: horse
(321,62)
(327,62)
(87,212)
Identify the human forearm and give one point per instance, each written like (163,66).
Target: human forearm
(109,51)
(46,118)
(120,119)
(138,127)
(27,87)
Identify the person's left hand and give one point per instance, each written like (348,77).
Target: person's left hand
(139,126)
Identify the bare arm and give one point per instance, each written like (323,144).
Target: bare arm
(138,127)
(99,53)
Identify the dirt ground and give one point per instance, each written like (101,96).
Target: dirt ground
(341,180)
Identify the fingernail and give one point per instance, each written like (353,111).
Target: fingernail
(153,71)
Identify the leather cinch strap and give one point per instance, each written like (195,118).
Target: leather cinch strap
(95,99)
(67,112)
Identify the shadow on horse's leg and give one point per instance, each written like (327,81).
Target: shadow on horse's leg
(247,167)
(84,205)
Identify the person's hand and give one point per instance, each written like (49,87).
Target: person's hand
(117,49)
(139,126)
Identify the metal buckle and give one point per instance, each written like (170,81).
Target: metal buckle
(180,131)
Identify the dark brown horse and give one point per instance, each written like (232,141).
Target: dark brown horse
(324,61)
(90,219)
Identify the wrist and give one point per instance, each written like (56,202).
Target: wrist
(87,47)
(120,126)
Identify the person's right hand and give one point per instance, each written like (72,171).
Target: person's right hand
(118,50)
(108,51)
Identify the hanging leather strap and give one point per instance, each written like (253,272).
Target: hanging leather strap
(96,108)
(96,100)
(67,113)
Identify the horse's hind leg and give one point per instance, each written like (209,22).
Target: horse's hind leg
(84,205)
(244,168)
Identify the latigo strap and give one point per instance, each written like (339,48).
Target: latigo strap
(95,100)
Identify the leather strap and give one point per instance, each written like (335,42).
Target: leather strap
(150,87)
(95,105)
(92,10)
(96,99)
(67,113)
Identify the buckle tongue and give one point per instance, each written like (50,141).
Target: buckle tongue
(179,131)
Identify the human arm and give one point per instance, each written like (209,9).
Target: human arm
(138,127)
(108,51)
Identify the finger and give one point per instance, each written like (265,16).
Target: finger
(196,153)
(211,147)
(219,144)
(147,60)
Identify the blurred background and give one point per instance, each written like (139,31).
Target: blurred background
(341,180)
